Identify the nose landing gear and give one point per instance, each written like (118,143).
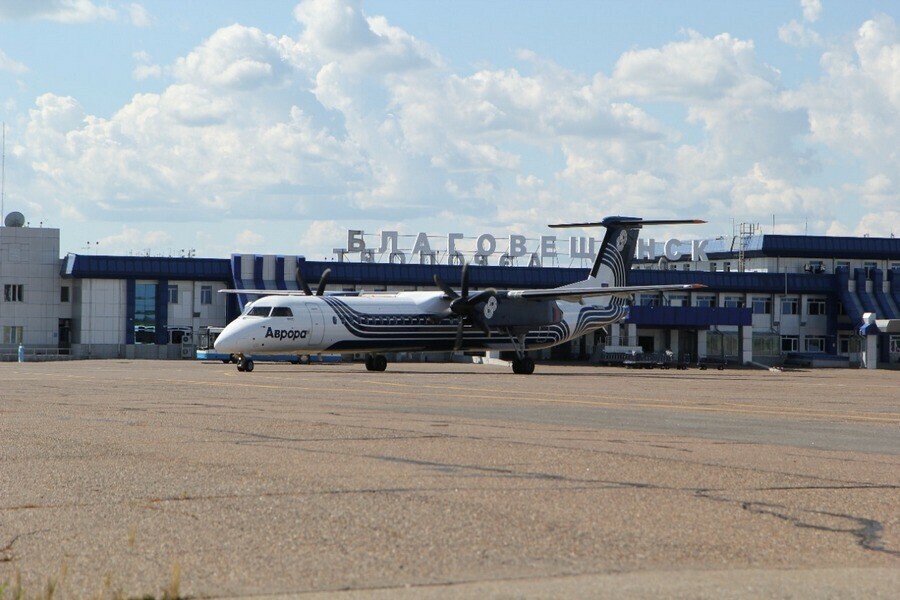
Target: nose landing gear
(244,364)
(376,362)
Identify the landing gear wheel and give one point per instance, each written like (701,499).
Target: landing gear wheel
(376,362)
(523,366)
(244,364)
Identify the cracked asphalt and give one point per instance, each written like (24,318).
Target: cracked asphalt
(447,480)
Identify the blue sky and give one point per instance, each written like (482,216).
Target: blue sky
(274,127)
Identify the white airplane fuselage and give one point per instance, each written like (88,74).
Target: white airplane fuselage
(402,321)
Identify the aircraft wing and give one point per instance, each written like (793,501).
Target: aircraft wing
(576,293)
(265,292)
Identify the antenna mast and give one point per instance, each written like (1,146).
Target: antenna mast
(3,174)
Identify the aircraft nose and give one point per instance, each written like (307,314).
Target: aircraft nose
(226,342)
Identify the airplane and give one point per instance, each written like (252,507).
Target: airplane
(373,323)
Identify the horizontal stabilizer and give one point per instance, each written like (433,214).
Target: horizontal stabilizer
(575,293)
(628,222)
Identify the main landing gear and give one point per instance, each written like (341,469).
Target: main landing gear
(244,364)
(376,362)
(522,364)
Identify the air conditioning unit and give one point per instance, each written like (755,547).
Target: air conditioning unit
(815,268)
(187,352)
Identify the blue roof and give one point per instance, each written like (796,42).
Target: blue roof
(798,246)
(146,267)
(369,275)
(819,246)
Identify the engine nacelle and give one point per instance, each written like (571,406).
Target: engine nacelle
(500,311)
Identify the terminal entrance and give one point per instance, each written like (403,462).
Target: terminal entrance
(64,335)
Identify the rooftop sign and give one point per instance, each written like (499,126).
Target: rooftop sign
(511,250)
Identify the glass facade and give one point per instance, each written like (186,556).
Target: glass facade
(145,313)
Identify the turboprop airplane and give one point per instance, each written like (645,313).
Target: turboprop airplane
(303,322)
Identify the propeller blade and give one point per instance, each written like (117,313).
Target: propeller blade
(322,281)
(448,291)
(459,335)
(479,322)
(302,282)
(464,292)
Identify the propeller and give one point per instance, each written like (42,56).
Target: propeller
(465,306)
(305,286)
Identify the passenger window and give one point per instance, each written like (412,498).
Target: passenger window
(259,311)
(282,311)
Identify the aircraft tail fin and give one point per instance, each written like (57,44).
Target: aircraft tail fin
(617,251)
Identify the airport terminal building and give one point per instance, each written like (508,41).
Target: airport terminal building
(768,297)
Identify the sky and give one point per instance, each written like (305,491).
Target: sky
(216,127)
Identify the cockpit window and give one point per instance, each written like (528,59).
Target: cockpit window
(282,311)
(259,311)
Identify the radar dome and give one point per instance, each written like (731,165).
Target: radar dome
(15,219)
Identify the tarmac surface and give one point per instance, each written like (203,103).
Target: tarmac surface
(135,478)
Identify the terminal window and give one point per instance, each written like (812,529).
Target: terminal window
(734,302)
(12,334)
(815,344)
(678,300)
(706,301)
(790,343)
(762,306)
(173,294)
(145,313)
(815,306)
(649,300)
(206,294)
(789,306)
(64,293)
(14,292)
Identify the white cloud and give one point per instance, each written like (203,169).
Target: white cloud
(235,57)
(884,223)
(355,123)
(877,192)
(853,108)
(338,31)
(798,34)
(65,11)
(812,9)
(11,66)
(248,240)
(139,15)
(323,235)
(145,69)
(133,240)
(726,88)
(695,70)
(757,195)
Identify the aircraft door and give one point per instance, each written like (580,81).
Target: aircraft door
(317,327)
